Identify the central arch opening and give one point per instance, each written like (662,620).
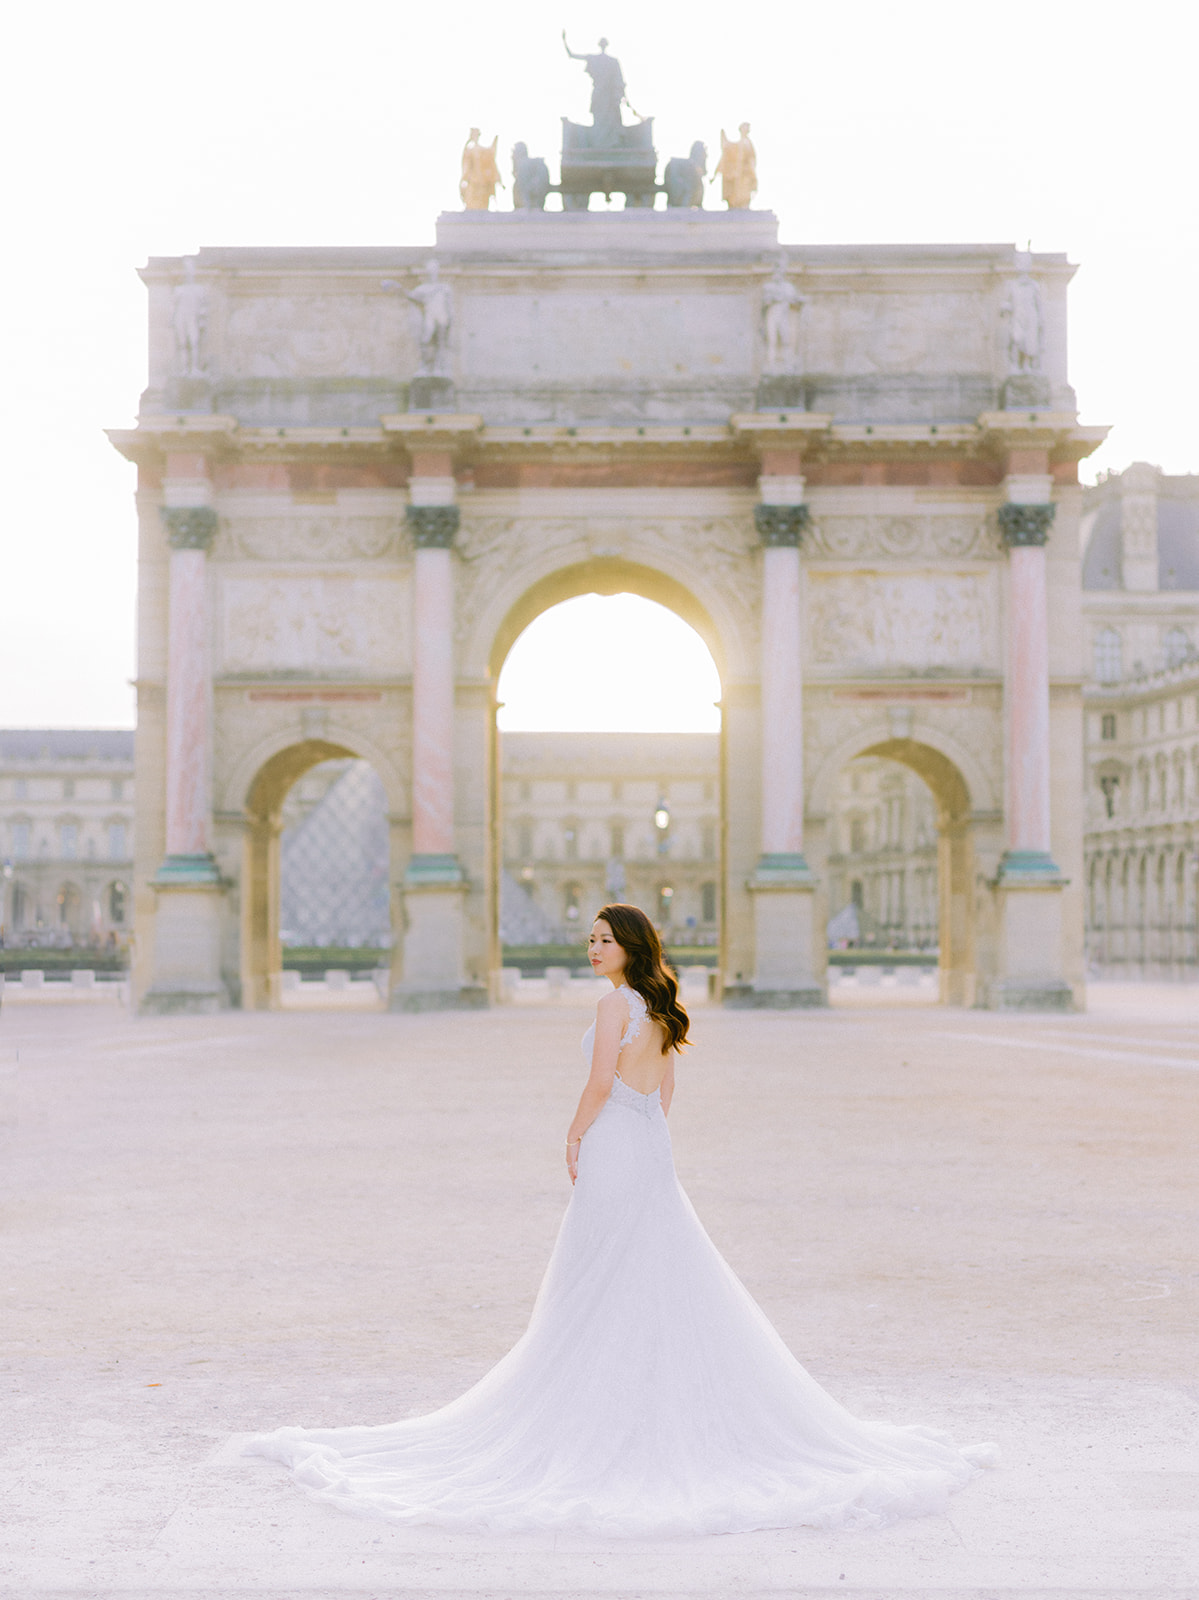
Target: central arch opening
(608,785)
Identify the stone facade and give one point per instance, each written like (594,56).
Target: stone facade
(341,537)
(883,856)
(1141,604)
(66,837)
(589,817)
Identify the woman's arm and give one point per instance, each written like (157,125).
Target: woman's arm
(611,1018)
(668,1085)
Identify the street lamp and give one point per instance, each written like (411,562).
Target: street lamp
(662,823)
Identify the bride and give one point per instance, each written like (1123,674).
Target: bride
(650,1395)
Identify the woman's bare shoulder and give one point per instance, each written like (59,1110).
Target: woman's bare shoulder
(614,1003)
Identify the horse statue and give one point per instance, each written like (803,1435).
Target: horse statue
(683,178)
(530,180)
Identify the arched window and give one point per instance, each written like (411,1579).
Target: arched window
(572,903)
(1108,657)
(707,896)
(1177,647)
(117,903)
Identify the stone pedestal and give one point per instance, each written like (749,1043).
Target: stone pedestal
(188,885)
(434,980)
(781,392)
(786,939)
(187,944)
(428,393)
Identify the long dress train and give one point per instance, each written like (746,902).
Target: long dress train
(649,1396)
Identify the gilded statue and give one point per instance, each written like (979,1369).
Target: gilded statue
(737,169)
(480,172)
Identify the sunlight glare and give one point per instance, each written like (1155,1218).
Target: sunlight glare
(609,664)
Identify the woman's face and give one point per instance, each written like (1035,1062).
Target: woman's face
(607,957)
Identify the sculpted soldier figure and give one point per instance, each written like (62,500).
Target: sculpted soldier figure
(1026,327)
(781,303)
(436,305)
(738,169)
(480,172)
(188,315)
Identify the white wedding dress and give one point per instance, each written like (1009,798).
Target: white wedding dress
(650,1395)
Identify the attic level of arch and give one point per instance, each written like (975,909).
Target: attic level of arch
(323,460)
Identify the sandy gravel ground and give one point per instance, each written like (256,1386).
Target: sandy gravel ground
(211,1227)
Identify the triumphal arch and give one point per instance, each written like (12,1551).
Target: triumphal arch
(853,469)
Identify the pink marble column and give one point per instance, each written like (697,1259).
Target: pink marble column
(782,704)
(1028,702)
(1025,522)
(433,518)
(780,519)
(187,705)
(433,706)
(190,526)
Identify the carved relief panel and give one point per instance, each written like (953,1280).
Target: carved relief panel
(317,336)
(904,621)
(329,624)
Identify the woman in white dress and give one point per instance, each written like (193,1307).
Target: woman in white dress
(650,1395)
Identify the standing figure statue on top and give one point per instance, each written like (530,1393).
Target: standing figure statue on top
(607,92)
(480,172)
(738,169)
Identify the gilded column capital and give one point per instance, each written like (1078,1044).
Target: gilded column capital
(1025,525)
(781,525)
(433,527)
(189,527)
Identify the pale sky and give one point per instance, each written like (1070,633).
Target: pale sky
(136,129)
(609,664)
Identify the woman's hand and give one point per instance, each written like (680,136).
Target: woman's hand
(572,1158)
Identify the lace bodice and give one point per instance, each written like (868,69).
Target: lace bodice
(638,1011)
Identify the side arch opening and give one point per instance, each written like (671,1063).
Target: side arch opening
(902,860)
(310,877)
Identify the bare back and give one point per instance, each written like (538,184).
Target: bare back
(641,1064)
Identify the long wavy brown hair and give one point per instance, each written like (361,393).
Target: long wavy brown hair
(647,972)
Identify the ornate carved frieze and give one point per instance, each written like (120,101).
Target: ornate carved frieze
(898,538)
(781,525)
(1023,525)
(940,621)
(311,536)
(720,549)
(189,527)
(433,527)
